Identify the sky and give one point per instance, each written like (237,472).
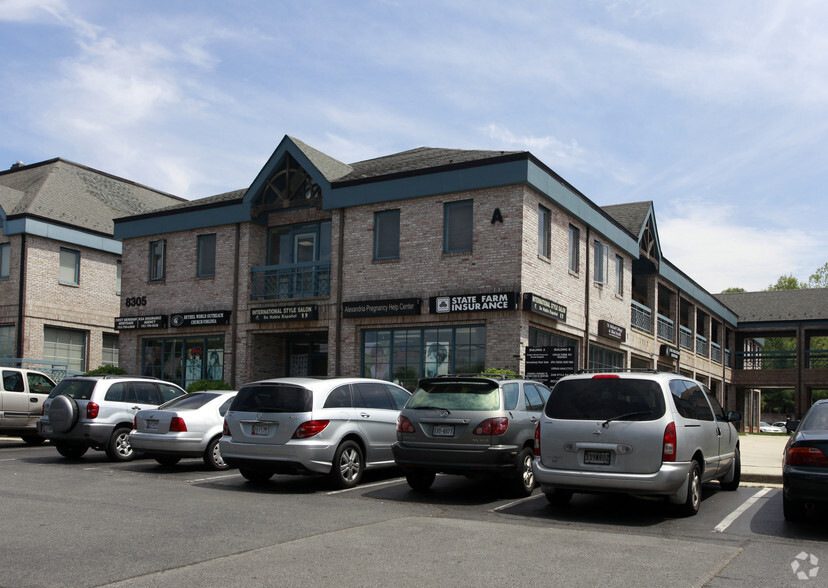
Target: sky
(717,112)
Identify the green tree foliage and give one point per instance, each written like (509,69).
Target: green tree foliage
(106,370)
(201,385)
(787,283)
(734,289)
(778,401)
(819,279)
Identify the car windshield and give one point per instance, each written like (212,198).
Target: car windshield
(606,398)
(816,419)
(273,398)
(77,389)
(456,396)
(190,401)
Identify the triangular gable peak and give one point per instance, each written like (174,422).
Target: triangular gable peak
(639,219)
(295,176)
(648,245)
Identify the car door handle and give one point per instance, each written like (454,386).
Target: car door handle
(136,408)
(33,400)
(533,420)
(365,415)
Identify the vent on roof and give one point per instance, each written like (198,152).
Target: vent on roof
(17,164)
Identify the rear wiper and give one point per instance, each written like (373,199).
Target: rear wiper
(447,411)
(606,423)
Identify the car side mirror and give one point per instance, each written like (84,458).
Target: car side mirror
(734,416)
(791,426)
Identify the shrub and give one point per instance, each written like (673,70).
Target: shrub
(499,372)
(201,385)
(105,370)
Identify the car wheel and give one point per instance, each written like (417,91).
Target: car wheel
(63,413)
(255,476)
(119,448)
(419,479)
(348,465)
(694,490)
(792,511)
(737,473)
(32,439)
(212,456)
(166,460)
(70,450)
(559,497)
(523,482)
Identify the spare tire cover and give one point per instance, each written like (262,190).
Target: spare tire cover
(63,414)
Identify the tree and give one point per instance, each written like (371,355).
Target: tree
(787,283)
(734,289)
(819,279)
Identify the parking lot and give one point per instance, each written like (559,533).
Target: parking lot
(92,522)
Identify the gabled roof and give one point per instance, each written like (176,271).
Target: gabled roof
(808,304)
(74,195)
(633,216)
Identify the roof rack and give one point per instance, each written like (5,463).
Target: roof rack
(479,375)
(114,376)
(621,370)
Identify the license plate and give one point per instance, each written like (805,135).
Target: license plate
(597,457)
(152,425)
(259,429)
(443,431)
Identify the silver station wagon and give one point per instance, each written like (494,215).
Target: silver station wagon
(338,426)
(635,433)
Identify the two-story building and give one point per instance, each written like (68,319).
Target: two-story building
(422,262)
(60,267)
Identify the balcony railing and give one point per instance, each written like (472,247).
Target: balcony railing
(765,360)
(701,345)
(290,281)
(666,328)
(728,358)
(685,338)
(817,359)
(715,352)
(641,317)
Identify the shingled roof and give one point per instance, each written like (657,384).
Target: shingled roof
(75,195)
(632,216)
(778,305)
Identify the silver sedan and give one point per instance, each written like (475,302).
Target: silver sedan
(189,426)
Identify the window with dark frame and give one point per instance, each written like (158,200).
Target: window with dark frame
(600,262)
(387,235)
(619,275)
(457,226)
(543,231)
(157,260)
(69,272)
(206,264)
(574,249)
(5,259)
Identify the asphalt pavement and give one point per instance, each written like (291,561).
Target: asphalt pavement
(762,458)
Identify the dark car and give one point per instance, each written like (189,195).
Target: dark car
(805,465)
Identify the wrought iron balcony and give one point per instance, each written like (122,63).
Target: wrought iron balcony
(685,338)
(641,317)
(666,328)
(290,281)
(701,345)
(715,352)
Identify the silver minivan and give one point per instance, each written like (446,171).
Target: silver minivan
(336,426)
(635,433)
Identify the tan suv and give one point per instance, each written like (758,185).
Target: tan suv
(22,393)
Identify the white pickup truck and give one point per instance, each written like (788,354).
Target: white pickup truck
(22,393)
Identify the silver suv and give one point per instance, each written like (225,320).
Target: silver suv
(470,425)
(98,412)
(338,426)
(22,393)
(635,433)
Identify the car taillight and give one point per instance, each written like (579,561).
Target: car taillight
(92,410)
(806,456)
(135,422)
(537,440)
(496,426)
(309,429)
(404,425)
(668,449)
(225,430)
(177,425)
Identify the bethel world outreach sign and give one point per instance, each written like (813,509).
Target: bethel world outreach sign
(473,302)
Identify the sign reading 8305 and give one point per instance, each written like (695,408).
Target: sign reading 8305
(136,301)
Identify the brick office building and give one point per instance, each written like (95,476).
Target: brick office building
(426,261)
(59,263)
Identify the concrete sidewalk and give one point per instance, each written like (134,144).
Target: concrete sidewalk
(762,458)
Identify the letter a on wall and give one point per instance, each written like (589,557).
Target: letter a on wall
(497,217)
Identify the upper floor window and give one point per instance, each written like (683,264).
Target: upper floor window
(457,226)
(157,260)
(619,275)
(387,234)
(206,263)
(5,259)
(297,244)
(69,272)
(118,274)
(543,231)
(601,262)
(574,249)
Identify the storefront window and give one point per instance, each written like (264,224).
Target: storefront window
(538,338)
(605,359)
(405,355)
(184,361)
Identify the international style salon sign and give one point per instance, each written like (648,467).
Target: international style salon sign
(473,302)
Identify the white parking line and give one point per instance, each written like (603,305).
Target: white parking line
(728,520)
(375,484)
(210,479)
(9,459)
(514,503)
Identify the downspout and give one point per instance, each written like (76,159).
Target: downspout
(234,322)
(585,359)
(338,307)
(21,307)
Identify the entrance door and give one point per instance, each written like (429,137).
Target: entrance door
(308,355)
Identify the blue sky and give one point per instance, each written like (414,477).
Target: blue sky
(715,111)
